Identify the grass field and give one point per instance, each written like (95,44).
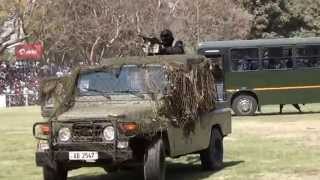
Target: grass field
(268,146)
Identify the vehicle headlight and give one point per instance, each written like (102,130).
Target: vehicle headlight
(109,133)
(64,134)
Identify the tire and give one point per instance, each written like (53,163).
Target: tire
(110,169)
(212,157)
(154,161)
(60,173)
(244,105)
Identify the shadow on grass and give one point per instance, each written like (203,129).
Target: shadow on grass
(191,170)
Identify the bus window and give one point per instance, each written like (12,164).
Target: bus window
(308,57)
(277,58)
(245,59)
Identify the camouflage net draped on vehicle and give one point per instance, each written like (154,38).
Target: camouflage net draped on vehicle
(191,92)
(61,91)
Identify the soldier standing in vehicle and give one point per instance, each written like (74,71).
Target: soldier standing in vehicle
(163,46)
(167,40)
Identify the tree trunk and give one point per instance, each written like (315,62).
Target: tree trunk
(93,50)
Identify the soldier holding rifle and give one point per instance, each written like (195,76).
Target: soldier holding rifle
(164,46)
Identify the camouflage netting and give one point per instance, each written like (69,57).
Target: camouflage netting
(61,90)
(190,91)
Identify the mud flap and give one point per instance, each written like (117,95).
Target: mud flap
(45,159)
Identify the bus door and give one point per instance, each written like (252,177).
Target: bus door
(218,74)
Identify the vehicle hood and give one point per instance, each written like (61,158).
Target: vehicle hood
(126,110)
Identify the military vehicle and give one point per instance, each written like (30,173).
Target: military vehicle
(131,112)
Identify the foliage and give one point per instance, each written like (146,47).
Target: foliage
(12,13)
(283,18)
(308,11)
(87,30)
(91,29)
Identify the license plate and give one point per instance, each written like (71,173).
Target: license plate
(83,155)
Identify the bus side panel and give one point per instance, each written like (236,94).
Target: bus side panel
(278,86)
(289,96)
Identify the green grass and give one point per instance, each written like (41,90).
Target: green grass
(17,145)
(263,147)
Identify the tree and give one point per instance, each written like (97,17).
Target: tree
(11,20)
(79,29)
(283,18)
(212,20)
(308,12)
(90,29)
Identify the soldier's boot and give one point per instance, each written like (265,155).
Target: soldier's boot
(297,107)
(281,107)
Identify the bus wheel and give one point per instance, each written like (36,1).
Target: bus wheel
(244,105)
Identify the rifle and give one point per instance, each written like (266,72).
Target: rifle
(151,40)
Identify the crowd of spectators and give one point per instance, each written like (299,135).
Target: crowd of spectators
(20,80)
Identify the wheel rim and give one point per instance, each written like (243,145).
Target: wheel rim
(245,106)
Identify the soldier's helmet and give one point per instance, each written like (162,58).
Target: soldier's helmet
(166,37)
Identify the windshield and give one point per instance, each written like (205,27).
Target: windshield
(127,79)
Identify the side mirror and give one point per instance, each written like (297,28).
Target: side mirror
(41,130)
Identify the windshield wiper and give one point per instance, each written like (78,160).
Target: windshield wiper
(102,93)
(135,93)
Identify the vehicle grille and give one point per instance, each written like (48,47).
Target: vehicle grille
(82,132)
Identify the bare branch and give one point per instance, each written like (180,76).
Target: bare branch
(5,45)
(173,8)
(93,48)
(6,37)
(116,34)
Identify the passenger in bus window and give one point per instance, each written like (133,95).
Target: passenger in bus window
(299,63)
(307,63)
(235,65)
(312,62)
(317,64)
(217,73)
(253,65)
(272,64)
(243,65)
(267,62)
(218,78)
(289,63)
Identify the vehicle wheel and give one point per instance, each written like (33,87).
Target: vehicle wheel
(154,161)
(111,169)
(60,173)
(212,157)
(244,105)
